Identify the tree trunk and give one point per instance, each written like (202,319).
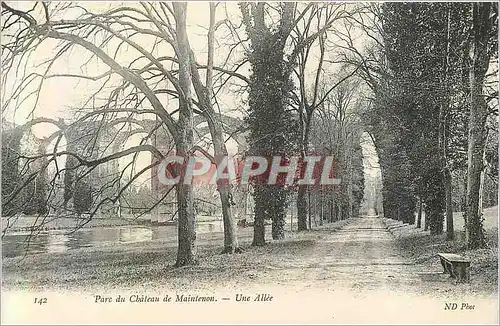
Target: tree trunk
(309,209)
(245,201)
(278,222)
(477,119)
(332,207)
(259,229)
(435,218)
(463,199)
(426,221)
(223,185)
(450,232)
(220,149)
(434,199)
(350,193)
(335,215)
(302,208)
(230,236)
(315,207)
(204,94)
(483,174)
(322,203)
(186,252)
(443,139)
(419,216)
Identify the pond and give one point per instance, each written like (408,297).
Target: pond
(55,241)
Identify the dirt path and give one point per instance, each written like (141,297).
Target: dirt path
(361,255)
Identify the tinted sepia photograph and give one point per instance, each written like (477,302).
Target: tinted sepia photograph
(249,162)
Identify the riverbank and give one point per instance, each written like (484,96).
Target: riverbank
(23,223)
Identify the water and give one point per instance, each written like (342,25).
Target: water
(56,241)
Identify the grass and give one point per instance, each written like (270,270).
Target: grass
(421,247)
(150,263)
(146,264)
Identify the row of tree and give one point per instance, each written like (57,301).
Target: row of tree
(432,110)
(134,43)
(415,88)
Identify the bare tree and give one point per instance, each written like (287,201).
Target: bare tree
(308,97)
(146,86)
(336,131)
(484,22)
(204,94)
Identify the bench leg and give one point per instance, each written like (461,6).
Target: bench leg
(463,273)
(456,271)
(446,267)
(451,270)
(443,263)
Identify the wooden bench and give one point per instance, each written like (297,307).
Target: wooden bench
(455,265)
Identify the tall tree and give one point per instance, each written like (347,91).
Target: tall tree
(336,132)
(484,42)
(272,129)
(186,251)
(312,31)
(205,94)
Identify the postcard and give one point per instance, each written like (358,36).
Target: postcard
(249,162)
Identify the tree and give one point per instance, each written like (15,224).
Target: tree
(307,95)
(272,129)
(383,116)
(204,94)
(145,79)
(336,131)
(483,34)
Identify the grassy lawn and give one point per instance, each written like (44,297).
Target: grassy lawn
(422,248)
